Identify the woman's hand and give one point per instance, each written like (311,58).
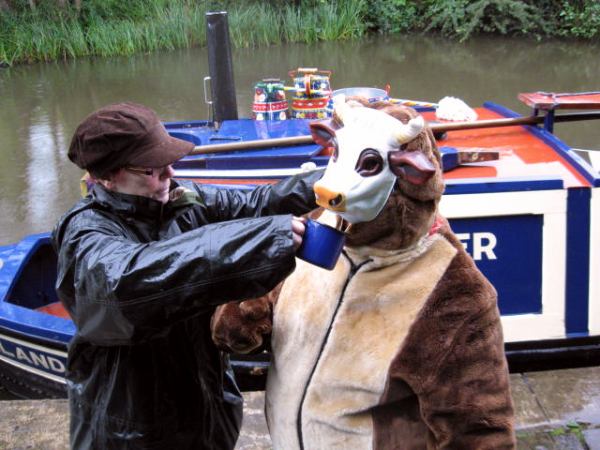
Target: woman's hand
(298,229)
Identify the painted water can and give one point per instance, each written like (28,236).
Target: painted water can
(312,93)
(269,100)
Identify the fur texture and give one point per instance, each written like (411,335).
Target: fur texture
(400,346)
(244,327)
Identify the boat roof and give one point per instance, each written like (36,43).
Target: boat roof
(525,152)
(530,157)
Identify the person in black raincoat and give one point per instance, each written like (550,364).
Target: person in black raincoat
(142,263)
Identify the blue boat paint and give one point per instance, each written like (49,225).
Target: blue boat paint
(578,259)
(33,345)
(198,132)
(508,249)
(581,166)
(25,321)
(449,158)
(502,110)
(494,185)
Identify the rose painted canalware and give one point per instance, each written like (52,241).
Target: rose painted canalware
(312,93)
(270,102)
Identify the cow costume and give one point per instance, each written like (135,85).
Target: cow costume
(400,346)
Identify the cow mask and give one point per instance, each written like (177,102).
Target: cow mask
(367,159)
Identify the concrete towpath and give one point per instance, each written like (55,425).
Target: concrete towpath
(555,410)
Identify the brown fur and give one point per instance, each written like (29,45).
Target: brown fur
(243,327)
(447,385)
(456,342)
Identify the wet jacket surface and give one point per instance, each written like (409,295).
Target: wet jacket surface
(141,281)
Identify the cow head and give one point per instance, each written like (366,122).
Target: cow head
(383,154)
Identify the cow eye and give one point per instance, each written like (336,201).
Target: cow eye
(369,163)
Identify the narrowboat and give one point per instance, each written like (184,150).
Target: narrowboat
(528,215)
(524,204)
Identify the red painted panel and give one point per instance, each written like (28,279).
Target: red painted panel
(552,100)
(529,148)
(55,309)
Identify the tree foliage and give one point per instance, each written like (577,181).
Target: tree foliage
(462,18)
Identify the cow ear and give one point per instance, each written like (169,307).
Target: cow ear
(413,166)
(323,133)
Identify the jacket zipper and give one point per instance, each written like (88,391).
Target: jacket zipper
(354,268)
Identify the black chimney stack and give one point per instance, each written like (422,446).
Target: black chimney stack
(220,67)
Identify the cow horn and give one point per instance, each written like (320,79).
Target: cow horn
(407,132)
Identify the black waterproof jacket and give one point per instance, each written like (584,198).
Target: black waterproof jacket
(141,281)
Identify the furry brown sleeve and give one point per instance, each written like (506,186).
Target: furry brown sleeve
(454,362)
(243,327)
(466,402)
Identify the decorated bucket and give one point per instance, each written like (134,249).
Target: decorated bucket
(269,100)
(312,93)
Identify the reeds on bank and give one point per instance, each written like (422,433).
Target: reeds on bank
(116,27)
(46,34)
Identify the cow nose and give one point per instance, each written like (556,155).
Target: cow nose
(329,199)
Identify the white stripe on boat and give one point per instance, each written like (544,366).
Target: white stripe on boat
(24,351)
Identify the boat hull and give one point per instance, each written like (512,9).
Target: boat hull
(32,368)
(527,221)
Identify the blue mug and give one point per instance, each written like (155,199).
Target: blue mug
(321,245)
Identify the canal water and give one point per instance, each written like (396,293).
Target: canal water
(41,105)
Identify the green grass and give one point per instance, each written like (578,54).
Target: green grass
(261,24)
(44,35)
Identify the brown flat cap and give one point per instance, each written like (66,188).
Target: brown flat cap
(124,134)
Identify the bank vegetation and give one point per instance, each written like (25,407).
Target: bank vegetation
(44,30)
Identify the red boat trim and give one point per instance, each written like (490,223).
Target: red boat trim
(551,100)
(55,309)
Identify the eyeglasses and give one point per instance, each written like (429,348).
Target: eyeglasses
(146,170)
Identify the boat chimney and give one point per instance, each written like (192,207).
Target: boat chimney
(220,67)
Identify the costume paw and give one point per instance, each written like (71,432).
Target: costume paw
(242,327)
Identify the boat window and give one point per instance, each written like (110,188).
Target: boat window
(34,287)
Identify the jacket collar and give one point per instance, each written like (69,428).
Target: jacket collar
(126,204)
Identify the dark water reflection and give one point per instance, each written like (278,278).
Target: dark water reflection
(41,105)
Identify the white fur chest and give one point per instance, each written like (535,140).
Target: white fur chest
(334,337)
